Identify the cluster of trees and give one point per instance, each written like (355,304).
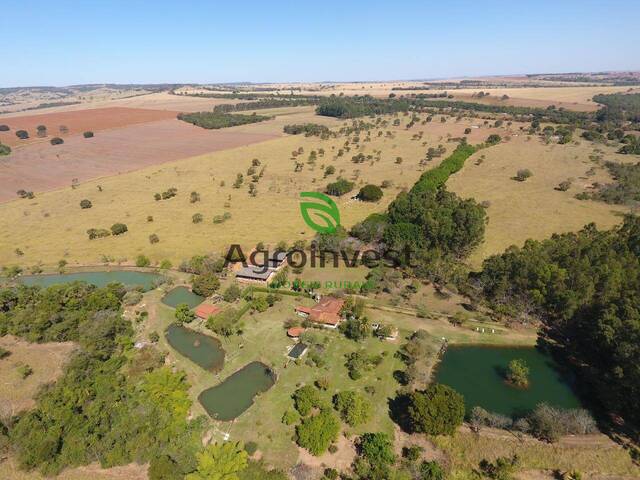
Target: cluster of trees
(626,186)
(339,187)
(116,229)
(216,120)
(619,107)
(264,103)
(125,405)
(308,129)
(352,107)
(585,287)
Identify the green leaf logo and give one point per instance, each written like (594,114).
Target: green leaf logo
(327,211)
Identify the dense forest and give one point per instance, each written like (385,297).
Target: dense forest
(585,288)
(352,107)
(215,120)
(619,107)
(264,103)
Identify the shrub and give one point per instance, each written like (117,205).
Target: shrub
(88,134)
(4,149)
(518,373)
(522,175)
(132,298)
(24,371)
(22,134)
(98,233)
(194,197)
(493,139)
(370,193)
(84,204)
(165,264)
(153,238)
(232,293)
(56,141)
(41,131)
(481,418)
(118,228)
(377,448)
(549,423)
(149,218)
(251,448)
(438,410)
(4,128)
(339,187)
(330,170)
(142,261)
(197,218)
(290,417)
(4,353)
(564,186)
(467,131)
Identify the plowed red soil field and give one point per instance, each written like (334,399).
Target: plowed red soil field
(77,122)
(40,166)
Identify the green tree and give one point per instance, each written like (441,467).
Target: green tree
(353,407)
(518,373)
(316,433)
(220,462)
(205,284)
(438,410)
(183,314)
(377,448)
(370,193)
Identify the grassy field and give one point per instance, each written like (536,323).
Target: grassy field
(533,208)
(271,216)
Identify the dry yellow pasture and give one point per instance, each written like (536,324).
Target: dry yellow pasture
(52,226)
(533,208)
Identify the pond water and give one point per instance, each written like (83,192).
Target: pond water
(201,349)
(478,373)
(182,295)
(99,279)
(235,395)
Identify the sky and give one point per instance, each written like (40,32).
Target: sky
(100,41)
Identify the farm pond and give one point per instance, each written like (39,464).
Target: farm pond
(201,349)
(99,278)
(478,373)
(237,392)
(180,295)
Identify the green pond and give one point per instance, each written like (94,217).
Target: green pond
(182,295)
(99,279)
(201,349)
(236,394)
(478,373)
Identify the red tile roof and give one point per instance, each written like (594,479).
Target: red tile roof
(206,310)
(326,311)
(295,332)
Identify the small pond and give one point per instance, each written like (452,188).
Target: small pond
(182,295)
(478,373)
(201,349)
(99,279)
(235,395)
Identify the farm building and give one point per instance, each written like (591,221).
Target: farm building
(326,312)
(257,273)
(206,310)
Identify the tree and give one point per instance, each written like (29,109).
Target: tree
(118,228)
(523,174)
(85,204)
(377,448)
(88,134)
(4,149)
(56,141)
(431,471)
(153,238)
(318,432)
(339,187)
(370,193)
(438,410)
(518,373)
(197,218)
(493,139)
(164,467)
(354,408)
(220,462)
(232,293)
(306,398)
(22,134)
(184,314)
(205,284)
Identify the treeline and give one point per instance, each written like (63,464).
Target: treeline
(309,129)
(215,120)
(264,103)
(626,186)
(619,107)
(585,288)
(352,107)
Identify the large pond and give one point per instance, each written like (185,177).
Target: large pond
(236,394)
(99,279)
(182,295)
(201,349)
(478,373)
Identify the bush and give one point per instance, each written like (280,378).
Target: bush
(25,371)
(518,373)
(251,448)
(56,141)
(4,128)
(438,410)
(142,261)
(522,175)
(4,149)
(481,418)
(232,293)
(88,134)
(339,187)
(22,134)
(153,238)
(132,298)
(4,353)
(370,193)
(165,264)
(118,228)
(549,423)
(98,233)
(493,139)
(290,417)
(377,448)
(197,218)
(84,204)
